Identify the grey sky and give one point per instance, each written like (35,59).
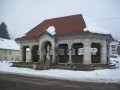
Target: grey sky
(22,15)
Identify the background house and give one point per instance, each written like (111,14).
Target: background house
(10,51)
(118,50)
(115,47)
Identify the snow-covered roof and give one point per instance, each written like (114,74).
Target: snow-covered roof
(114,43)
(93,27)
(8,44)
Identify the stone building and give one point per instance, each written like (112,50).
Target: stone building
(63,40)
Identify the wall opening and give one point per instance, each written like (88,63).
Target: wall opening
(63,53)
(47,54)
(25,49)
(77,53)
(35,53)
(95,53)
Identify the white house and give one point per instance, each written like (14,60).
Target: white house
(9,50)
(114,50)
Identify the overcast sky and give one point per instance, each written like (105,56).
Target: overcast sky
(22,15)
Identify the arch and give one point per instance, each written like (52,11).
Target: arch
(95,53)
(46,49)
(77,53)
(35,53)
(63,53)
(24,53)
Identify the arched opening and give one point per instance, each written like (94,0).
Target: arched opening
(47,51)
(25,52)
(63,53)
(77,53)
(35,53)
(95,53)
(48,54)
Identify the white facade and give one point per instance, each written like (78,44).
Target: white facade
(10,51)
(114,47)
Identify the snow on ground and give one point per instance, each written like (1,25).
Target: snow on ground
(98,76)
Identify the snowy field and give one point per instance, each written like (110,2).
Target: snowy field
(97,76)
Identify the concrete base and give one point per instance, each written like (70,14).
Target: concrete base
(47,62)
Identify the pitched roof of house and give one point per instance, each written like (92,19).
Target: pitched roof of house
(63,25)
(8,44)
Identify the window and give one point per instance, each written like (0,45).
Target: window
(113,50)
(113,46)
(73,51)
(61,51)
(94,51)
(80,51)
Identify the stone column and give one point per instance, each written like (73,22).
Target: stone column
(103,52)
(70,53)
(21,54)
(53,54)
(39,53)
(87,53)
(31,56)
(42,54)
(57,52)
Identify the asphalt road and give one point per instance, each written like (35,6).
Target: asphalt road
(19,82)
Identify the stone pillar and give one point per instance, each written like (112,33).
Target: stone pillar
(39,55)
(53,55)
(70,53)
(87,53)
(103,52)
(21,54)
(31,56)
(57,52)
(42,54)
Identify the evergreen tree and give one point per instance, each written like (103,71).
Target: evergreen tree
(3,31)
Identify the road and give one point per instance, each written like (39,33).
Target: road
(19,82)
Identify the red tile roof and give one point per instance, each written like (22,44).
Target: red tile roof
(63,25)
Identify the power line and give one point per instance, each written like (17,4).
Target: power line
(38,3)
(21,4)
(104,19)
(32,6)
